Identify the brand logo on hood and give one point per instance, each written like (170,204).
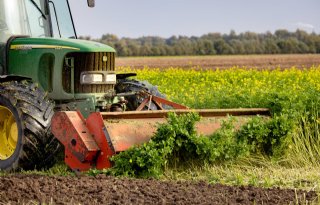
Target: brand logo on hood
(37,46)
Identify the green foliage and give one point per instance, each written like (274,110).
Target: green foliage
(169,141)
(173,139)
(224,145)
(267,137)
(142,161)
(177,141)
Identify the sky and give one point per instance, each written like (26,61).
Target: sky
(165,18)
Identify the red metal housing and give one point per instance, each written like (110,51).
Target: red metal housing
(90,143)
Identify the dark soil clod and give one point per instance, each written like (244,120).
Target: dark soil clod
(23,189)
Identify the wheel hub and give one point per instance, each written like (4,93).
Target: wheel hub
(8,133)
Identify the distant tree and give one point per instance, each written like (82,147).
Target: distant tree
(85,37)
(145,50)
(237,46)
(317,43)
(121,48)
(134,48)
(171,41)
(155,51)
(270,47)
(109,39)
(282,33)
(232,35)
(290,45)
(212,36)
(282,41)
(204,47)
(249,36)
(222,47)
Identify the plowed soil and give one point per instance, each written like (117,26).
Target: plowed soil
(33,189)
(223,62)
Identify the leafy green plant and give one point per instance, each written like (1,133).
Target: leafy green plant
(177,141)
(172,140)
(267,137)
(223,143)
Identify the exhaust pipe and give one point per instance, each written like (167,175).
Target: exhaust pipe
(91,3)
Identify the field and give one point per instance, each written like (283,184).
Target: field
(222,62)
(25,189)
(274,161)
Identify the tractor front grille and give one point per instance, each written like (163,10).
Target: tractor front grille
(102,61)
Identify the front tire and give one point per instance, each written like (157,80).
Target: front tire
(25,138)
(134,86)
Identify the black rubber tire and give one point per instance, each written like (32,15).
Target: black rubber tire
(130,85)
(36,146)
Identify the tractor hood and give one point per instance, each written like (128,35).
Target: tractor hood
(54,43)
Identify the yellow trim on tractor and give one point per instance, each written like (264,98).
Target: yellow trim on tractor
(33,46)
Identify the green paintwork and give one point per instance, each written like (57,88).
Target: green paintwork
(83,45)
(42,59)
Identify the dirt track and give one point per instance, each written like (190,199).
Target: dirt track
(222,62)
(23,189)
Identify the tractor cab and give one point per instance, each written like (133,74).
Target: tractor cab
(34,18)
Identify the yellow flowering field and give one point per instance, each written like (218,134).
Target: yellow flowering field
(234,87)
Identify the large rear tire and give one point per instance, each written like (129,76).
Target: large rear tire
(130,85)
(26,141)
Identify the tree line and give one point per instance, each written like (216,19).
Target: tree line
(280,42)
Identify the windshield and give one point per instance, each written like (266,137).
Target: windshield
(23,17)
(62,24)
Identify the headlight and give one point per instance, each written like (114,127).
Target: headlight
(111,78)
(98,77)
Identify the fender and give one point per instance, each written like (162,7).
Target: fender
(121,76)
(6,55)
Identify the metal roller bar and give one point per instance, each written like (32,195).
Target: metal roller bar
(202,112)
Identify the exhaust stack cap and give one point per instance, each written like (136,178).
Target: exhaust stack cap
(91,3)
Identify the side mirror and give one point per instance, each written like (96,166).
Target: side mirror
(90,3)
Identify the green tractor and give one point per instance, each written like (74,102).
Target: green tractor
(44,68)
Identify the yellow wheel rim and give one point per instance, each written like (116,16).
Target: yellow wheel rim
(8,133)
